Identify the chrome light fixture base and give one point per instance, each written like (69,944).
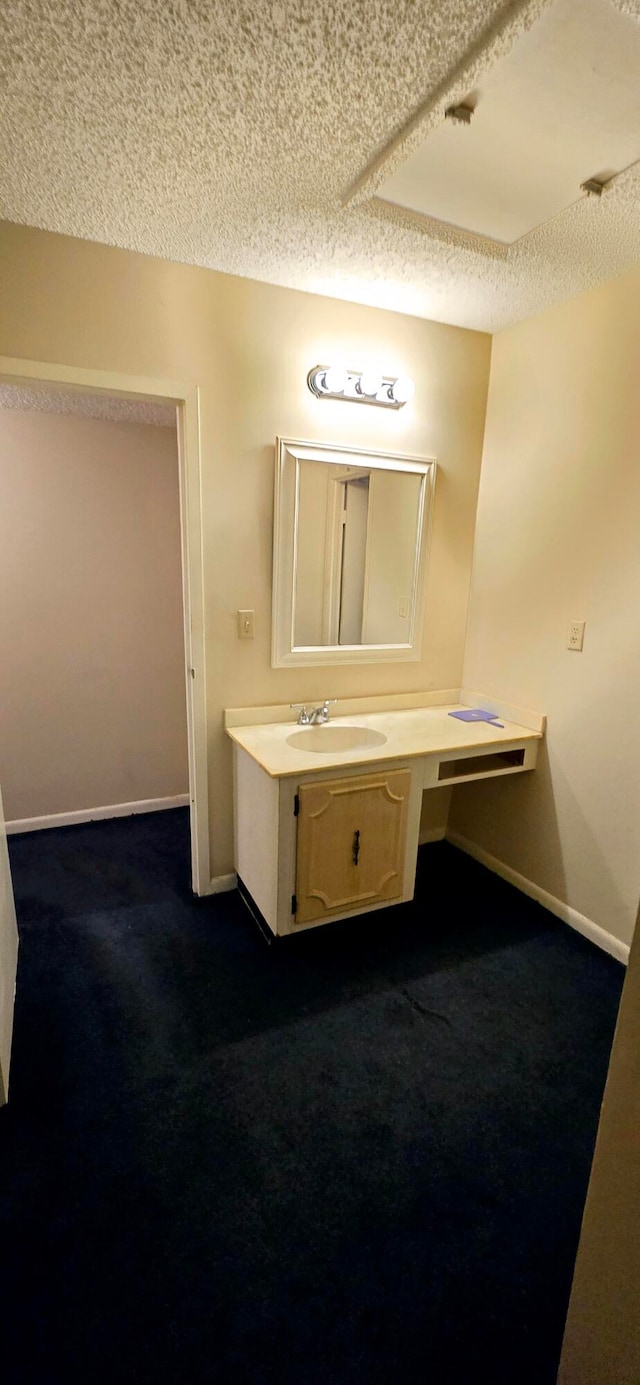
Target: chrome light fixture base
(360,386)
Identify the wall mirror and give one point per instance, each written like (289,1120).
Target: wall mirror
(351,534)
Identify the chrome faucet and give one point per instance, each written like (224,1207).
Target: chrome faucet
(318,717)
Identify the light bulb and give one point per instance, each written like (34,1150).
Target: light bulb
(403,389)
(335,379)
(369,383)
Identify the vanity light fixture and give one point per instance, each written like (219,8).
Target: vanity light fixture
(403,389)
(360,387)
(335,379)
(369,384)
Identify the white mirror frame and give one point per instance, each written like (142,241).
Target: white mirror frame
(284,654)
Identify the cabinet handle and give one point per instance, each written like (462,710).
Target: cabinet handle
(356,847)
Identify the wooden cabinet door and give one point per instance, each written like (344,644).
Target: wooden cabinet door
(351,843)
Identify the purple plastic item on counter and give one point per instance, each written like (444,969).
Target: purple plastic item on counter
(478,714)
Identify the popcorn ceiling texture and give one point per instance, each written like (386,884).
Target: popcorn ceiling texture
(87,406)
(231,135)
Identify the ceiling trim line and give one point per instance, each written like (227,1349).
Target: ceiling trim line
(396,215)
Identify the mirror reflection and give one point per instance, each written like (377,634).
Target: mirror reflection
(357,546)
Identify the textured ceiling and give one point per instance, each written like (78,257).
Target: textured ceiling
(251,137)
(86,406)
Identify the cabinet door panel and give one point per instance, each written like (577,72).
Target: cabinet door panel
(351,842)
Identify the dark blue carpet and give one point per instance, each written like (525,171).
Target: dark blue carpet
(359,1155)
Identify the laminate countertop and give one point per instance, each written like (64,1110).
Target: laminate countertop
(408,734)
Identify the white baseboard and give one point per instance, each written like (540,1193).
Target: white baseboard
(112,810)
(432,834)
(556,906)
(221,884)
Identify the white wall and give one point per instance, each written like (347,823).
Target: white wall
(92,694)
(558,539)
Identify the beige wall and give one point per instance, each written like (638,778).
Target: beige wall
(91,639)
(249,347)
(558,540)
(602,1336)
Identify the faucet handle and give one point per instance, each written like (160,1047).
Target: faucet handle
(323,711)
(304,718)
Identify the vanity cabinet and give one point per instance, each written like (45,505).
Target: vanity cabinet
(351,843)
(316,843)
(324,846)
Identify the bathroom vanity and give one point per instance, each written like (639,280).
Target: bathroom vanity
(327,816)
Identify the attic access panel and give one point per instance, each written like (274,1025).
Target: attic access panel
(563,106)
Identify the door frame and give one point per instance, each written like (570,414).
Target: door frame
(186,399)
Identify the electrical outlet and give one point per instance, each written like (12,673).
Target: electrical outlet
(246,625)
(575,635)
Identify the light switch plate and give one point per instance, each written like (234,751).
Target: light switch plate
(575,635)
(246,625)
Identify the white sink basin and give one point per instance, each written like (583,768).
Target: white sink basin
(324,740)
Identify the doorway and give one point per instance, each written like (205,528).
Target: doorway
(181,403)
